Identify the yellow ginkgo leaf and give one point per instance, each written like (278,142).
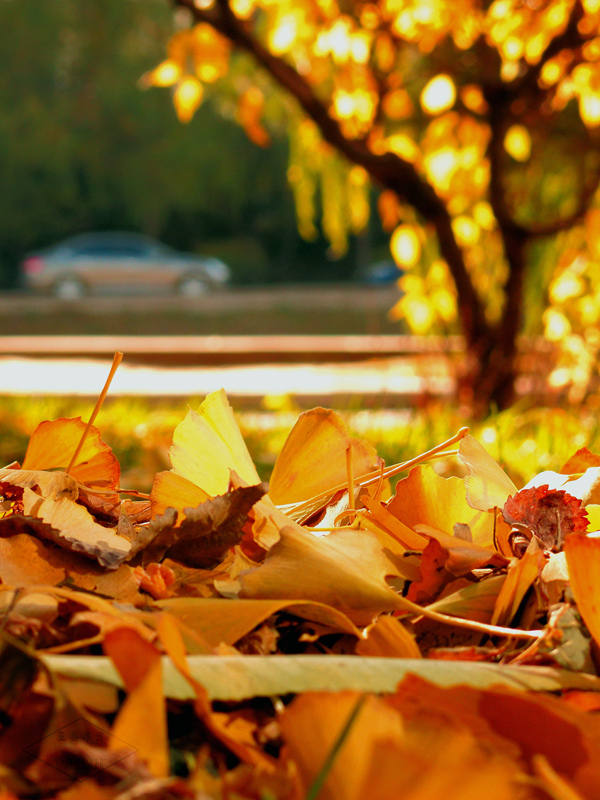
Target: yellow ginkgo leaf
(345,570)
(425,498)
(142,719)
(208,444)
(313,458)
(170,490)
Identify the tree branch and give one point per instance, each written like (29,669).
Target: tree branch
(387,169)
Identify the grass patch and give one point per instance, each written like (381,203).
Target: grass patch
(525,441)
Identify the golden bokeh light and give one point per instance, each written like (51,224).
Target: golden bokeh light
(439,95)
(517,142)
(405,246)
(187,98)
(166,74)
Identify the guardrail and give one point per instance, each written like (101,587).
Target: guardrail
(217,350)
(429,356)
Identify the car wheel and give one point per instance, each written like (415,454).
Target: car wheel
(192,286)
(69,288)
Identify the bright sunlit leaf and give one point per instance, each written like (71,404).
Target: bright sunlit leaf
(313,458)
(418,312)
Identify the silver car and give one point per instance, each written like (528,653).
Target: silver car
(95,261)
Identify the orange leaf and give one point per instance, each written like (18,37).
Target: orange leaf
(433,575)
(142,720)
(583,560)
(313,722)
(405,536)
(580,461)
(381,757)
(53,443)
(156,579)
(515,723)
(426,498)
(313,458)
(389,638)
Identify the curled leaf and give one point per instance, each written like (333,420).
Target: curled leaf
(346,570)
(207,531)
(549,514)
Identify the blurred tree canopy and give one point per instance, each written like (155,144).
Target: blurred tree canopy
(478,122)
(84,148)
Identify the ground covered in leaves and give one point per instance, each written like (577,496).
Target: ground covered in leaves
(323,636)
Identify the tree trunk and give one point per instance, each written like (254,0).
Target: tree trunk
(492,366)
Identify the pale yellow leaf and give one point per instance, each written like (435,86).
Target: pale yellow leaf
(208,444)
(487,485)
(241,677)
(71,526)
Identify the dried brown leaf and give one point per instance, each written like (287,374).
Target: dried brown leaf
(207,531)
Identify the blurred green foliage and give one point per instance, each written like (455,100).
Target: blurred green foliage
(524,440)
(83,147)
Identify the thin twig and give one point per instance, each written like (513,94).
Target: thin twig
(371,477)
(118,357)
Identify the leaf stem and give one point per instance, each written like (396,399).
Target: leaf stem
(470,624)
(350,471)
(118,357)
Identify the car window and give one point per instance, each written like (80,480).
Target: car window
(112,251)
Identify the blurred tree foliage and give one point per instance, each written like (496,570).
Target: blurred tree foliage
(84,148)
(477,121)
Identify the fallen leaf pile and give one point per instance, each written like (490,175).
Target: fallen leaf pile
(323,636)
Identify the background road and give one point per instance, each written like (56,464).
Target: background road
(300,296)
